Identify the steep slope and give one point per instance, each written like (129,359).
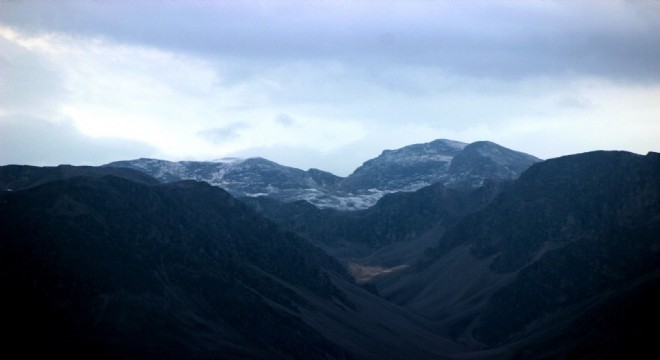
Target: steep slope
(389,236)
(483,160)
(406,169)
(573,237)
(108,267)
(410,167)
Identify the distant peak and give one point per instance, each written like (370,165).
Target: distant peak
(435,146)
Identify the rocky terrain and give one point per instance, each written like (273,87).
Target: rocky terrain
(561,261)
(513,268)
(407,169)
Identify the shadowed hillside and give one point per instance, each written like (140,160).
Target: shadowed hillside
(108,267)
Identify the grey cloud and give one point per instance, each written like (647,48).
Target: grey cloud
(38,142)
(28,81)
(574,102)
(219,135)
(501,39)
(284,120)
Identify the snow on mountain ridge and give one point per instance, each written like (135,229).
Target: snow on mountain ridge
(438,150)
(406,169)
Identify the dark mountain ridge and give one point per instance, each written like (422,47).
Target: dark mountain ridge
(398,219)
(127,244)
(560,263)
(109,267)
(512,268)
(570,233)
(18,177)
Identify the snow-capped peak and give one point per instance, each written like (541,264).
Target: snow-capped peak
(452,163)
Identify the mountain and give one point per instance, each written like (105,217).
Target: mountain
(563,262)
(404,219)
(248,178)
(410,167)
(245,177)
(483,160)
(406,169)
(18,177)
(452,163)
(108,267)
(573,241)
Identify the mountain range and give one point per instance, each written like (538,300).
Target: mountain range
(104,266)
(410,168)
(564,261)
(499,256)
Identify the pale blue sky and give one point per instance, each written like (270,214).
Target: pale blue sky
(323,84)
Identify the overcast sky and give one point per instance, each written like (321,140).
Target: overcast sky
(324,84)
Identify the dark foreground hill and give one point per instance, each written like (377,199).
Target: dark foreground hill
(18,177)
(562,263)
(565,261)
(106,267)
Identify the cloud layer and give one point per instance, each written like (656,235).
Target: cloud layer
(331,84)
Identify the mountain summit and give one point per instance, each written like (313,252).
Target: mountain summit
(452,163)
(406,168)
(410,168)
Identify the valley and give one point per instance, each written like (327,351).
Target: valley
(497,255)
